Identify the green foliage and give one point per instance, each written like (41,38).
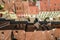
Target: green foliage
(34,0)
(1,7)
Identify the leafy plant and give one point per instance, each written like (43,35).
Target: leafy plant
(34,0)
(1,7)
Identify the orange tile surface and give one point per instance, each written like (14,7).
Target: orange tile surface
(6,35)
(19,35)
(53,5)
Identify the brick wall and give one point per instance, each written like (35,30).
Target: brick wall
(54,5)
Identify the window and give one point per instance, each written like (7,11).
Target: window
(17,8)
(55,4)
(54,9)
(58,9)
(20,8)
(50,9)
